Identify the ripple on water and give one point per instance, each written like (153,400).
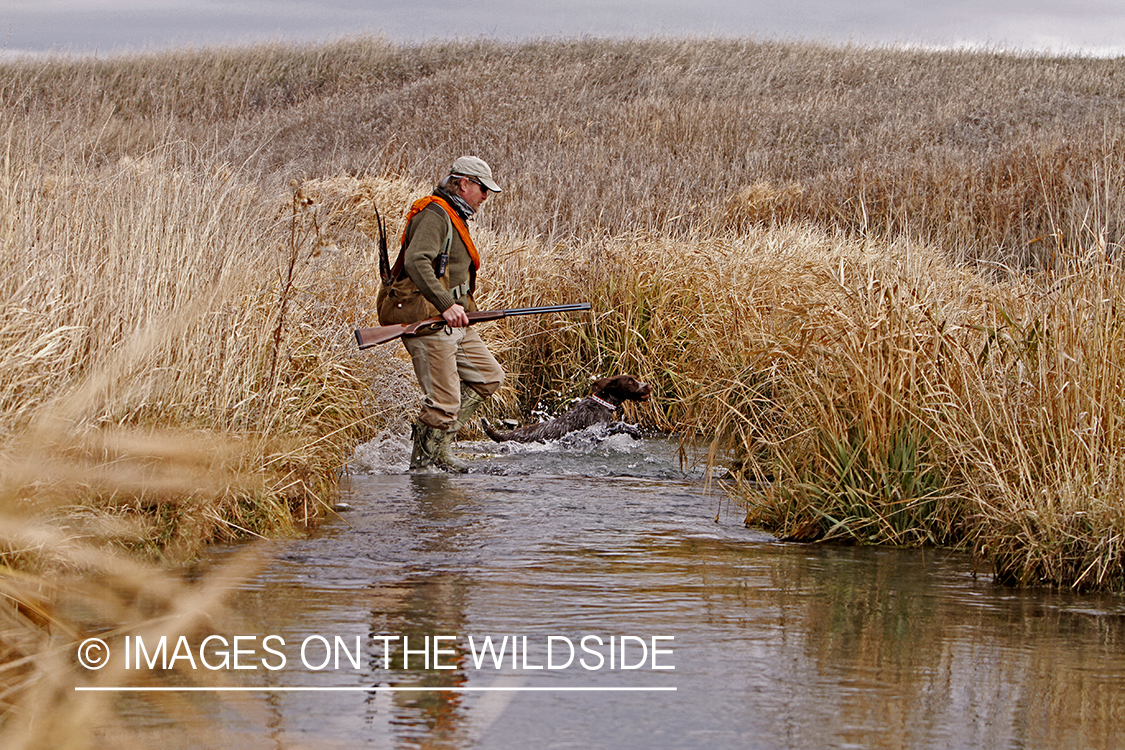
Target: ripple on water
(776,645)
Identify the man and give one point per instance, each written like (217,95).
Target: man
(435,274)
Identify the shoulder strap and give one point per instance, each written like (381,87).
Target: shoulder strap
(442,260)
(455,222)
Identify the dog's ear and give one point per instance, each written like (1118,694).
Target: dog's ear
(600,385)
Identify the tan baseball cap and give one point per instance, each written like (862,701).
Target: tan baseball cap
(472,166)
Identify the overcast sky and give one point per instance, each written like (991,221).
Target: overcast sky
(1094,27)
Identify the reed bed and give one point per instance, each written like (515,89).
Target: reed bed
(162,387)
(1001,157)
(863,391)
(882,285)
(156,297)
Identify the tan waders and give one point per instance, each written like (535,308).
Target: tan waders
(457,373)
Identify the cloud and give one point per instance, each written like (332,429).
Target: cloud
(107,25)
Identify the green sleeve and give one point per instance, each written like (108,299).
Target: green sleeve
(425,244)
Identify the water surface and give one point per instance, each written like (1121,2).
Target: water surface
(774,645)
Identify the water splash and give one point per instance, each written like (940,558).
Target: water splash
(597,451)
(389,453)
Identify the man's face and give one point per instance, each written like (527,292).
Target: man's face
(473,193)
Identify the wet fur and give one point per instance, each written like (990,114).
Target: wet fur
(586,412)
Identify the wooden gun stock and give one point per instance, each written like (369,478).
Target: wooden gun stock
(366,337)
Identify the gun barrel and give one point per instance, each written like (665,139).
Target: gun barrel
(366,337)
(549,309)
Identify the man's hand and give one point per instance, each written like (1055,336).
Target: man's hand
(455,316)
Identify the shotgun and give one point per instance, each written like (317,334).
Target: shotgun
(366,337)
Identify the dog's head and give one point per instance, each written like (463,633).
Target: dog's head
(621,389)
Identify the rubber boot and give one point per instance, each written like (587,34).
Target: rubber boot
(427,450)
(470,402)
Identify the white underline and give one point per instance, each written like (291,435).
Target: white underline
(368,689)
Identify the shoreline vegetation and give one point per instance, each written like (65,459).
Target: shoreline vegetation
(887,280)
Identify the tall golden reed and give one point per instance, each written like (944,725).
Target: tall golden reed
(155,396)
(882,284)
(865,391)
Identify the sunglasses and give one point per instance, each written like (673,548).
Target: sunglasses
(481,185)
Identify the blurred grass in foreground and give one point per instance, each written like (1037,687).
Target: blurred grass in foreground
(888,281)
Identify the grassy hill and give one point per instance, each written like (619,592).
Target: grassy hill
(889,280)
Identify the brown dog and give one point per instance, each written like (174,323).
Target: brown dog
(600,406)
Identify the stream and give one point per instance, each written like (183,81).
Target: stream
(593,593)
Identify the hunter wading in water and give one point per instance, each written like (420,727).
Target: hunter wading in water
(435,274)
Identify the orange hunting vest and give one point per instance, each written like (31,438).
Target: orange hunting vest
(458,224)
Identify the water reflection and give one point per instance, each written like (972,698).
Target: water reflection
(776,645)
(433,605)
(915,652)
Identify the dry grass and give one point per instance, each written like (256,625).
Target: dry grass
(154,296)
(993,156)
(887,280)
(109,597)
(868,391)
(163,386)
